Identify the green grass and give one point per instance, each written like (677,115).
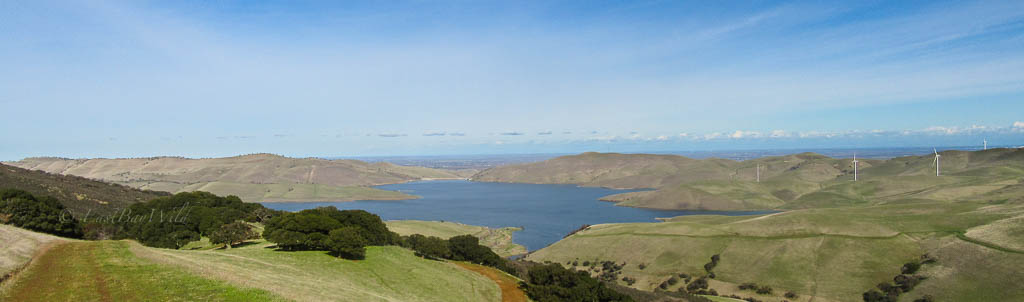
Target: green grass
(109,271)
(499,240)
(722,299)
(388,273)
(970,272)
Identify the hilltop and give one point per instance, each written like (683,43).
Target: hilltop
(804,180)
(254,178)
(78,194)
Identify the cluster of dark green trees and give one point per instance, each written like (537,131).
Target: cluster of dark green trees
(165,222)
(552,282)
(344,233)
(38,213)
(173,221)
(458,248)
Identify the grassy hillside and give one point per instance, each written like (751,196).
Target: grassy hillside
(78,194)
(805,180)
(831,254)
(296,192)
(20,246)
(612,170)
(389,273)
(257,177)
(109,271)
(499,240)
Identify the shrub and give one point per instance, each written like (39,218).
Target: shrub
(791,295)
(925,298)
(673,280)
(764,290)
(701,283)
(910,268)
(875,296)
(907,282)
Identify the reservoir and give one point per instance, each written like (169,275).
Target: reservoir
(545,212)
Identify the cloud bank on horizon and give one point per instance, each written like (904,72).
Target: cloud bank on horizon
(193,78)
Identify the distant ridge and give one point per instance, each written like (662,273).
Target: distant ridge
(790,181)
(253,177)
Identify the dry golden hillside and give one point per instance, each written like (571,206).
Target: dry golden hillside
(256,177)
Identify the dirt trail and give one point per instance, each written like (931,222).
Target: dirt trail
(53,265)
(510,291)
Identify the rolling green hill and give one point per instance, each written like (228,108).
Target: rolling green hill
(805,180)
(254,178)
(831,254)
(109,271)
(78,194)
(125,270)
(389,273)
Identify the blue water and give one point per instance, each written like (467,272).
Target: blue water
(545,212)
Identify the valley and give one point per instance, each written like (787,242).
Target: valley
(820,236)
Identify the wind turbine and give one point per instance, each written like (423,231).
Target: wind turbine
(936,161)
(854,166)
(758,172)
(985,141)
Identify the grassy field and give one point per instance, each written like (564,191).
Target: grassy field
(109,271)
(388,274)
(831,254)
(125,270)
(499,240)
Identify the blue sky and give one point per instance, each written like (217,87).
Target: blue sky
(198,79)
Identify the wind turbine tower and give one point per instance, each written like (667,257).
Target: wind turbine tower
(936,161)
(758,172)
(985,141)
(855,167)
